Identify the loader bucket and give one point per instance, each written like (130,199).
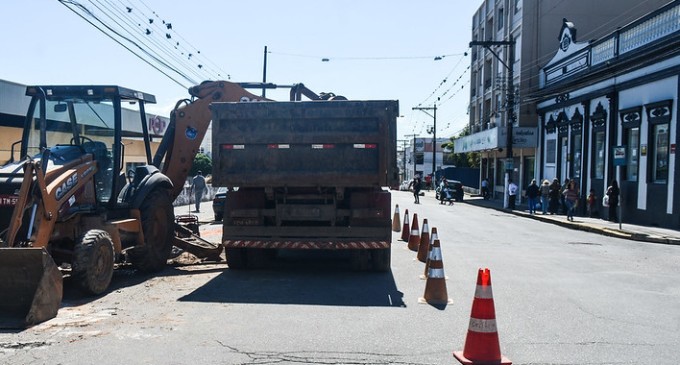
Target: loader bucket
(30,287)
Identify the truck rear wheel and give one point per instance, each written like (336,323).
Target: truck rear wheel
(158,227)
(381,259)
(93,260)
(236,258)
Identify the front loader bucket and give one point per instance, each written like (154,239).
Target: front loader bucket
(30,287)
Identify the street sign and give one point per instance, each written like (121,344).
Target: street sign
(620,156)
(509,164)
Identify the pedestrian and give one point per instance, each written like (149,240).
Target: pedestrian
(592,204)
(563,204)
(613,192)
(545,195)
(443,190)
(485,189)
(198,187)
(532,193)
(512,194)
(570,199)
(415,184)
(555,191)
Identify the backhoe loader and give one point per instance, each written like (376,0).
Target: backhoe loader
(68,205)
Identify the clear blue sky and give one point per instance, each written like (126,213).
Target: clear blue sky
(377,49)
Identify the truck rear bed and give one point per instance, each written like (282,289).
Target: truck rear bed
(302,144)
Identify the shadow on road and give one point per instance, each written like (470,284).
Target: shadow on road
(306,278)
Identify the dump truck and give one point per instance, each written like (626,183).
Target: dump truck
(306,175)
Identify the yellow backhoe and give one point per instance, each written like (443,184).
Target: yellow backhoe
(73,202)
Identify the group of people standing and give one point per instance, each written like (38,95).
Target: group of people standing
(554,196)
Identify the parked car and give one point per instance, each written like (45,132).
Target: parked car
(455,188)
(218,202)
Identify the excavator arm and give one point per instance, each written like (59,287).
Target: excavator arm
(189,122)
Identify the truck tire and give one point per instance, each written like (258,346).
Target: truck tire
(93,260)
(158,228)
(236,258)
(381,259)
(359,260)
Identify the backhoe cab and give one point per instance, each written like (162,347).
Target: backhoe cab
(67,202)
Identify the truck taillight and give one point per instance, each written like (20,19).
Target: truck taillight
(365,145)
(233,146)
(325,146)
(275,146)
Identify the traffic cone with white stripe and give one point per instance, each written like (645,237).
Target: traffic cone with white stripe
(433,236)
(435,286)
(414,238)
(405,232)
(424,246)
(481,344)
(396,223)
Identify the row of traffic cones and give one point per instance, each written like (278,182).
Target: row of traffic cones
(482,345)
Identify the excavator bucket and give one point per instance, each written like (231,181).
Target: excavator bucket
(30,287)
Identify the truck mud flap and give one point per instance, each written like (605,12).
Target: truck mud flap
(31,287)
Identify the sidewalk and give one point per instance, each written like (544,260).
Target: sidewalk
(595,225)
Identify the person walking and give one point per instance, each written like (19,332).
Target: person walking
(443,190)
(545,195)
(555,192)
(532,196)
(512,194)
(613,192)
(570,199)
(563,203)
(592,204)
(198,187)
(415,183)
(485,189)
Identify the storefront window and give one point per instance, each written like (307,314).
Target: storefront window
(599,155)
(550,151)
(633,142)
(660,153)
(576,148)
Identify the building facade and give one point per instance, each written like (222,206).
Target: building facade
(14,104)
(609,111)
(532,24)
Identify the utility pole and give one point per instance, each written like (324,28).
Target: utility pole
(434,133)
(510,43)
(264,73)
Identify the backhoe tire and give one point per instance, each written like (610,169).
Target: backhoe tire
(93,261)
(158,227)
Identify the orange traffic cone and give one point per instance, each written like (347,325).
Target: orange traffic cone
(433,236)
(424,246)
(481,344)
(435,286)
(405,231)
(396,223)
(414,238)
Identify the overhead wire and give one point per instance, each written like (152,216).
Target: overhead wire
(111,32)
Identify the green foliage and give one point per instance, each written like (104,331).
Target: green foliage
(203,163)
(470,159)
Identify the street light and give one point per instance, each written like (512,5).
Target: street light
(510,43)
(433,131)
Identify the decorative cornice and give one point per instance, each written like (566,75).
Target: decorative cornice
(599,116)
(659,112)
(631,117)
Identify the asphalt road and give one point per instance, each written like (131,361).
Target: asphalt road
(561,297)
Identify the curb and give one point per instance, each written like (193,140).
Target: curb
(633,236)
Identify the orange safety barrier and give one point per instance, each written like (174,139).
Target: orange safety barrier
(396,223)
(424,246)
(433,236)
(414,238)
(481,344)
(405,232)
(435,286)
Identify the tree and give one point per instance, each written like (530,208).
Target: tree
(203,163)
(469,159)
